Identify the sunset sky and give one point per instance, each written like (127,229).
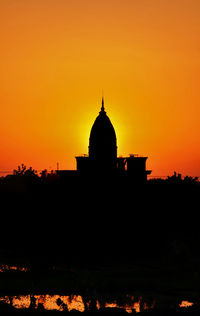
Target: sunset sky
(56,57)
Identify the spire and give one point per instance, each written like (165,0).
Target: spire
(102,106)
(102,102)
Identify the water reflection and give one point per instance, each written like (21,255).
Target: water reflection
(12,268)
(186,304)
(79,303)
(129,307)
(60,302)
(49,302)
(20,301)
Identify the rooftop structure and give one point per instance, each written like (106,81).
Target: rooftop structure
(102,157)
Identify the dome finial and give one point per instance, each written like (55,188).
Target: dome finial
(102,102)
(102,105)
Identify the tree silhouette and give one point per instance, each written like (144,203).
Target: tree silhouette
(23,171)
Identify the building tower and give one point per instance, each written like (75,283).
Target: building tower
(103,143)
(102,158)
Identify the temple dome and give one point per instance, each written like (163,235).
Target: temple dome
(103,142)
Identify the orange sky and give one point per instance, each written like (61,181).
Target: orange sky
(56,56)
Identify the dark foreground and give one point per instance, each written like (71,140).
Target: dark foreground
(104,236)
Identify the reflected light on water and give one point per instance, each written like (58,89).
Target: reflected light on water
(136,306)
(129,308)
(111,305)
(74,302)
(186,304)
(51,302)
(21,301)
(6,268)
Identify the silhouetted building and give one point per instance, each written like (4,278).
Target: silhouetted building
(102,147)
(103,143)
(102,158)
